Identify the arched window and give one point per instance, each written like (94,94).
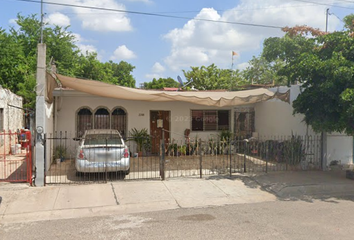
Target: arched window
(84,121)
(119,121)
(101,119)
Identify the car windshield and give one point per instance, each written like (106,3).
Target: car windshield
(103,139)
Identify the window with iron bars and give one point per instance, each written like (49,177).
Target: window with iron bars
(210,120)
(101,119)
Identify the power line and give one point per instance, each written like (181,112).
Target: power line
(325,4)
(152,14)
(245,9)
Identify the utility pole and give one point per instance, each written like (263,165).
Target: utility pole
(323,133)
(327,13)
(41,21)
(40,110)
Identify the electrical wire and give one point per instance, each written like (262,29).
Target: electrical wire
(324,4)
(153,14)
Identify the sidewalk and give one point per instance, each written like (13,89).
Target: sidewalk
(305,185)
(21,203)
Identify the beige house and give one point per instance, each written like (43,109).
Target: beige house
(79,104)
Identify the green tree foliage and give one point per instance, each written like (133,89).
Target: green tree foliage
(161,83)
(121,73)
(324,64)
(211,77)
(261,71)
(18,58)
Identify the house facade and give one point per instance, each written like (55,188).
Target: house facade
(75,109)
(11,118)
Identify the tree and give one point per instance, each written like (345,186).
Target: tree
(211,77)
(260,71)
(18,58)
(161,83)
(324,64)
(121,73)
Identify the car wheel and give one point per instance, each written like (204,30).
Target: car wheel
(127,172)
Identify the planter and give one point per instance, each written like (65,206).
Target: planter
(350,174)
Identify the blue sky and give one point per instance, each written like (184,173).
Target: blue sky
(162,46)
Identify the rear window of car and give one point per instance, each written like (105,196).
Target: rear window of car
(103,139)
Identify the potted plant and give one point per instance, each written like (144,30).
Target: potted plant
(59,153)
(141,138)
(182,150)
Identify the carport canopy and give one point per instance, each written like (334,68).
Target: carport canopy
(206,98)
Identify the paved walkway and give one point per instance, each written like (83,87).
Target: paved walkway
(22,203)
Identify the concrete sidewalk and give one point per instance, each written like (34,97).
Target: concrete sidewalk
(21,203)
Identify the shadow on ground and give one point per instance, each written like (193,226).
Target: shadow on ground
(329,186)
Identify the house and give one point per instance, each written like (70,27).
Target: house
(79,104)
(11,113)
(11,117)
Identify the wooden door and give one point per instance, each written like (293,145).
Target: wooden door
(161,118)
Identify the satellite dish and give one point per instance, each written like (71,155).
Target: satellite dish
(180,81)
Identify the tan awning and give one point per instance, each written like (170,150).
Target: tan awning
(217,99)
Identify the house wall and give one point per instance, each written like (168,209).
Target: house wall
(12,118)
(138,114)
(340,148)
(275,117)
(49,123)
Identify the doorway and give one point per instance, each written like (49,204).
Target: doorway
(159,120)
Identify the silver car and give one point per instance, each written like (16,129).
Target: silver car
(102,150)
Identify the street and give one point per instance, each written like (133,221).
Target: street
(300,219)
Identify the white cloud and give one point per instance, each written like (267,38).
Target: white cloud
(122,52)
(98,20)
(205,42)
(242,66)
(84,48)
(14,24)
(144,1)
(58,19)
(12,21)
(153,75)
(158,68)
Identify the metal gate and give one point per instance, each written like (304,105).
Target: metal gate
(16,156)
(194,157)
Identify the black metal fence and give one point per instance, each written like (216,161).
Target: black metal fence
(189,157)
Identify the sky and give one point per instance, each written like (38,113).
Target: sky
(163,37)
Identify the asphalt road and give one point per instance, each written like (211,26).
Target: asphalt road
(329,219)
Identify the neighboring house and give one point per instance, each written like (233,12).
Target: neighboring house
(85,104)
(11,116)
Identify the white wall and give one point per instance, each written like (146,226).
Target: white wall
(339,147)
(138,113)
(276,117)
(13,117)
(49,123)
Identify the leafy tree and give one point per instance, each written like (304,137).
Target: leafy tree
(261,71)
(121,73)
(18,58)
(13,63)
(161,83)
(211,77)
(324,64)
